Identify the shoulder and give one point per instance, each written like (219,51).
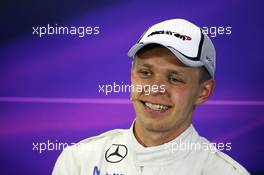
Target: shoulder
(218,162)
(97,143)
(224,164)
(116,134)
(72,157)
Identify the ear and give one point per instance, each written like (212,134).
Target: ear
(206,89)
(132,68)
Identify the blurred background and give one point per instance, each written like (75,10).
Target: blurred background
(49,85)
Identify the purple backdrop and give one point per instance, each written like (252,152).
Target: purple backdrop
(49,85)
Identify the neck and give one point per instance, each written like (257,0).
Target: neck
(149,138)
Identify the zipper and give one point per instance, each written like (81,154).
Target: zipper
(141,168)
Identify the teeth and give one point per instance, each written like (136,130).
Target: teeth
(156,106)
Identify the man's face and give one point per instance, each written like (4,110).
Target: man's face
(164,111)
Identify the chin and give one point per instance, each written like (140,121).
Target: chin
(154,125)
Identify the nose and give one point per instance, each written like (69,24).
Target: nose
(157,86)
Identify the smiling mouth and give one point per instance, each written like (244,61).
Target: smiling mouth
(155,106)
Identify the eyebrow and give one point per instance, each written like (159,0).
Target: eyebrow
(169,71)
(146,65)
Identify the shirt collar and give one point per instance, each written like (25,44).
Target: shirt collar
(162,154)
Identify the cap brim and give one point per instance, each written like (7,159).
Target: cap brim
(186,61)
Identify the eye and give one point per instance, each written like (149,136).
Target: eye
(174,79)
(144,73)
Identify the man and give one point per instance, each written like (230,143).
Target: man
(179,60)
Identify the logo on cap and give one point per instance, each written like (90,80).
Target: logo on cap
(116,153)
(167,32)
(210,61)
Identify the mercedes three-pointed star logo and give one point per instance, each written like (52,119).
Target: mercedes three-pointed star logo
(116,153)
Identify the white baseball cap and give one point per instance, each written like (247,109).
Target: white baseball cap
(184,39)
